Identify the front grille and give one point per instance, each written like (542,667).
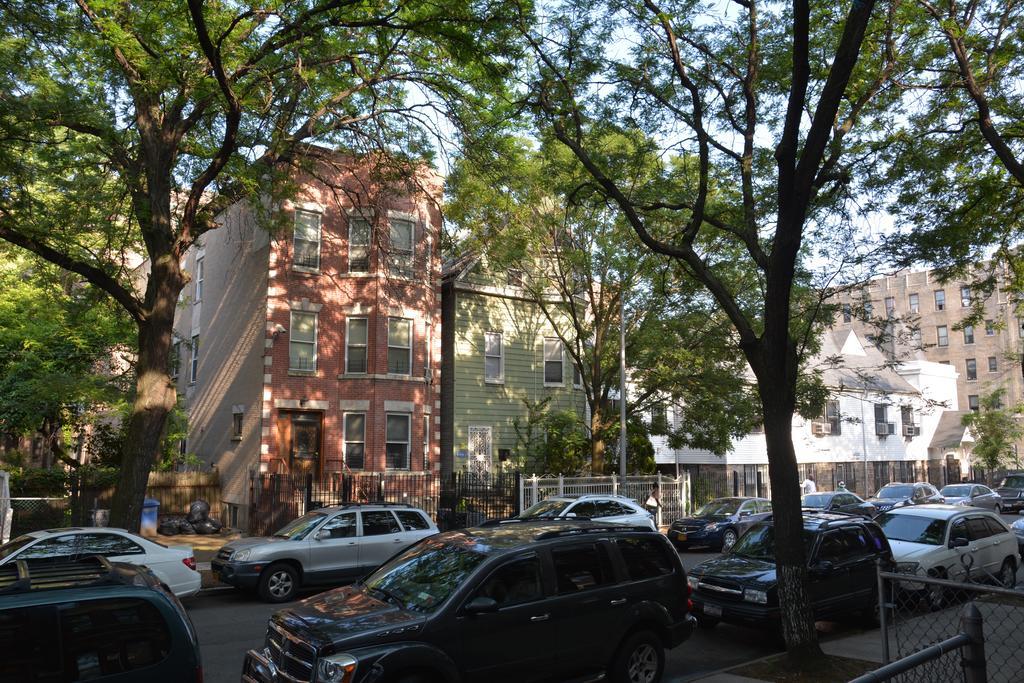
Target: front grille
(291,656)
(723,589)
(224,554)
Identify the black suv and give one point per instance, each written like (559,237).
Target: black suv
(90,619)
(551,600)
(1011,490)
(896,494)
(842,551)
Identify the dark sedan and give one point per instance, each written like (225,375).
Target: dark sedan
(719,523)
(839,501)
(1011,491)
(896,495)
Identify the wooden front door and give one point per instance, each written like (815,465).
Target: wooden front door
(300,442)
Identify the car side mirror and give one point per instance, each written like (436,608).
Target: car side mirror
(322,535)
(958,542)
(822,567)
(744,513)
(570,515)
(481,605)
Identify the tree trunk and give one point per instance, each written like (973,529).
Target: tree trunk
(155,393)
(597,442)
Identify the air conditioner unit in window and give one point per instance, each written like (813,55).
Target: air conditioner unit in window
(911,430)
(821,428)
(885,428)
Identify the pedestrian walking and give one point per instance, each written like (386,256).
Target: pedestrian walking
(808,486)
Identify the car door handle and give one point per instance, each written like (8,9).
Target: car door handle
(619,601)
(397,540)
(540,617)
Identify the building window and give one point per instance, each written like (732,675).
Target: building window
(175,364)
(972,403)
(236,425)
(355,345)
(942,335)
(494,361)
(659,419)
(847,313)
(915,337)
(515,277)
(354,437)
(193,374)
(426,442)
(577,377)
(396,449)
(553,361)
(907,416)
(401,247)
(915,303)
(199,280)
(972,368)
(997,402)
(993,364)
(306,240)
(869,309)
(890,306)
(990,328)
(833,417)
(965,297)
(940,300)
(358,244)
(399,346)
(968,334)
(302,341)
(882,426)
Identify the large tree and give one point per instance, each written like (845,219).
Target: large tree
(755,102)
(126,127)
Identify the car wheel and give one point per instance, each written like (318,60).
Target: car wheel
(729,539)
(640,659)
(278,583)
(999,509)
(1007,576)
(707,623)
(936,595)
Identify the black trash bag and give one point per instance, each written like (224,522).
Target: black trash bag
(168,528)
(217,526)
(185,527)
(204,527)
(198,510)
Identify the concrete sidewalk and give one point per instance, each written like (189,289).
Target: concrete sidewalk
(866,646)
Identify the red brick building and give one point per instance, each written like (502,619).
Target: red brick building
(309,336)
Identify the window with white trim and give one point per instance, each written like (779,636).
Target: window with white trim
(302,341)
(401,231)
(399,346)
(354,437)
(965,297)
(968,334)
(237,420)
(355,345)
(396,447)
(915,303)
(553,361)
(940,300)
(993,364)
(199,279)
(194,362)
(306,240)
(971,365)
(990,328)
(426,442)
(494,357)
(359,237)
(942,335)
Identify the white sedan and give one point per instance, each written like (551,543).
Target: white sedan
(174,566)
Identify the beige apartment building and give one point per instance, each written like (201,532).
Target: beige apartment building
(927,322)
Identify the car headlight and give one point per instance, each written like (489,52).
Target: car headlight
(711,527)
(339,668)
(693,581)
(754,595)
(241,555)
(962,502)
(907,567)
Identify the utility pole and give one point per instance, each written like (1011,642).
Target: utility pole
(622,384)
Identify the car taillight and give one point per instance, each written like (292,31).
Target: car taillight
(199,674)
(189,562)
(689,592)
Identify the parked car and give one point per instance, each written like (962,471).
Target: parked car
(719,522)
(325,547)
(839,501)
(975,495)
(92,619)
(553,600)
(741,587)
(175,565)
(933,540)
(602,507)
(1011,491)
(898,494)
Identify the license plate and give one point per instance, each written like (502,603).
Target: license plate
(679,535)
(712,610)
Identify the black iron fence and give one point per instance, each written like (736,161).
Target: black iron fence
(454,502)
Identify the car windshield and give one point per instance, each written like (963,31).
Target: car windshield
(759,543)
(297,529)
(896,492)
(11,547)
(816,500)
(545,508)
(422,577)
(912,528)
(1013,482)
(956,491)
(724,507)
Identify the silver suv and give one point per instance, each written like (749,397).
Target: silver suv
(326,547)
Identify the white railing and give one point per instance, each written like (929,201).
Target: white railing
(674,492)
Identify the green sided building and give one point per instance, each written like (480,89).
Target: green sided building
(500,356)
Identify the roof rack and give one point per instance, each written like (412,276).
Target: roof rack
(25,575)
(532,520)
(579,531)
(364,503)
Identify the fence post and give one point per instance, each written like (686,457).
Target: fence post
(883,612)
(973,656)
(615,485)
(561,485)
(536,491)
